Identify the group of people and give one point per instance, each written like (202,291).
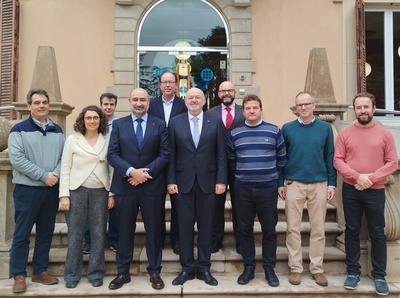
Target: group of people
(110,168)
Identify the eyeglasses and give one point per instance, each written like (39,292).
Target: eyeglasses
(168,82)
(306,104)
(226,91)
(94,118)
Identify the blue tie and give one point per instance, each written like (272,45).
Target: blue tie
(196,133)
(139,131)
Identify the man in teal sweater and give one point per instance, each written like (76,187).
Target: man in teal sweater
(308,176)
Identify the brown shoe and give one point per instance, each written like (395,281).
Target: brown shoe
(295,278)
(19,284)
(45,278)
(320,279)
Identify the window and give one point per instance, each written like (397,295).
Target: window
(382,39)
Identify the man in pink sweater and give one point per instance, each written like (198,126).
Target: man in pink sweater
(365,154)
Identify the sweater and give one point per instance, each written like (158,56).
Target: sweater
(258,155)
(34,151)
(310,150)
(363,150)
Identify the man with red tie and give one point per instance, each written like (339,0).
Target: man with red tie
(231,114)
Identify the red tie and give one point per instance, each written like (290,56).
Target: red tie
(229,118)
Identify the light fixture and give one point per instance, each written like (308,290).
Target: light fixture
(182,54)
(368,69)
(398,51)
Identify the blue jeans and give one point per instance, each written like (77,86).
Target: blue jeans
(355,203)
(263,203)
(33,205)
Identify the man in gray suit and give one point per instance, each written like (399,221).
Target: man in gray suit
(231,115)
(197,171)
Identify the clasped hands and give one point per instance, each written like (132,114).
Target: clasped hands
(139,176)
(363,182)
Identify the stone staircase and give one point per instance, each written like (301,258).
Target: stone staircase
(226,266)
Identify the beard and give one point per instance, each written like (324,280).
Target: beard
(227,101)
(364,121)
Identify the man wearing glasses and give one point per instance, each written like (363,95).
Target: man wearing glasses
(308,176)
(165,107)
(231,116)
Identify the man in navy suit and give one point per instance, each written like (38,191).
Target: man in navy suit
(231,115)
(166,107)
(139,151)
(197,171)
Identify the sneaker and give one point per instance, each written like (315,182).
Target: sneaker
(19,284)
(351,282)
(113,246)
(381,287)
(45,278)
(86,247)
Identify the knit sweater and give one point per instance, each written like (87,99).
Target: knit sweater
(309,153)
(258,155)
(364,150)
(35,152)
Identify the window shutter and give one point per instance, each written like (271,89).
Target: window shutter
(360,44)
(9,17)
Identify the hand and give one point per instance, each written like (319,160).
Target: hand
(363,182)
(139,176)
(220,188)
(330,194)
(281,192)
(65,203)
(111,202)
(52,179)
(172,189)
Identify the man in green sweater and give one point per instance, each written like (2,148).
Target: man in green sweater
(308,176)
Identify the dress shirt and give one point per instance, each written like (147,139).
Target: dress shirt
(224,112)
(200,122)
(167,107)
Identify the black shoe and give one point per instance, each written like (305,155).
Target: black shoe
(246,276)
(175,248)
(272,279)
(71,284)
(119,281)
(156,281)
(216,246)
(182,278)
(86,247)
(97,282)
(207,277)
(113,246)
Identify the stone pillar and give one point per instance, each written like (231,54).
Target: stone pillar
(45,76)
(6,214)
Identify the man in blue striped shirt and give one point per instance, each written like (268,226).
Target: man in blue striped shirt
(258,154)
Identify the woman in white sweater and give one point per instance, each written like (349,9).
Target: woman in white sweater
(84,194)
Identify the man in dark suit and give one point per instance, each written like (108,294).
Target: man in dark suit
(139,150)
(197,171)
(231,115)
(166,107)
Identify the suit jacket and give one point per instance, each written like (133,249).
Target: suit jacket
(124,152)
(156,107)
(80,159)
(238,120)
(207,162)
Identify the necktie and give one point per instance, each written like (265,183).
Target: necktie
(229,118)
(196,133)
(139,131)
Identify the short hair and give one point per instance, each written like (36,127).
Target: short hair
(251,97)
(36,91)
(365,94)
(160,77)
(79,125)
(304,92)
(110,96)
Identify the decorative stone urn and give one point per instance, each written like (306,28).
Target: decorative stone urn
(5,127)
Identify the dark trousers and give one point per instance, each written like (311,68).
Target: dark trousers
(219,215)
(112,233)
(355,203)
(263,203)
(195,206)
(151,207)
(33,205)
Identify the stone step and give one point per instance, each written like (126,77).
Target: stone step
(227,287)
(226,261)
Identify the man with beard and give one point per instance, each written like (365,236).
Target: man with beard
(365,154)
(231,116)
(139,150)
